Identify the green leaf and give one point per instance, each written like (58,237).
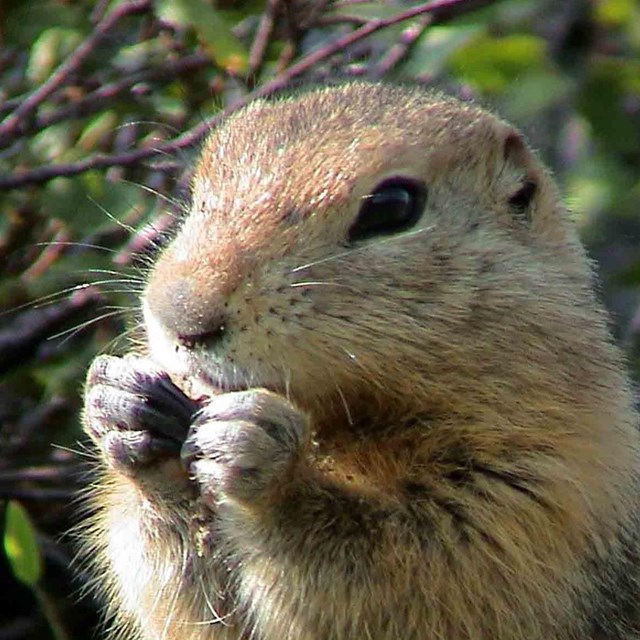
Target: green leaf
(24,21)
(213,29)
(611,85)
(491,64)
(20,545)
(99,128)
(528,96)
(436,47)
(614,12)
(369,11)
(88,201)
(49,50)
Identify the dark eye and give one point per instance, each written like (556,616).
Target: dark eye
(394,205)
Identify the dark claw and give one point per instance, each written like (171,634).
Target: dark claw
(166,410)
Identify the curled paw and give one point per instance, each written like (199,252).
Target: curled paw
(244,444)
(133,411)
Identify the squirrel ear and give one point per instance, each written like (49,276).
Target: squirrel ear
(518,178)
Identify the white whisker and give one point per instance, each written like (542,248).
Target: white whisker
(345,404)
(350,252)
(75,330)
(123,225)
(69,243)
(325,283)
(81,451)
(113,272)
(216,618)
(165,198)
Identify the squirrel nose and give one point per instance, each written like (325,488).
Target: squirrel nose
(192,316)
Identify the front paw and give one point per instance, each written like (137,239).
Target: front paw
(134,413)
(244,445)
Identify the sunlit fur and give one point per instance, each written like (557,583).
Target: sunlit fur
(474,468)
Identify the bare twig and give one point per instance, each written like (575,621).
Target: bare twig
(400,49)
(348,3)
(10,126)
(21,340)
(334,19)
(96,100)
(440,11)
(261,40)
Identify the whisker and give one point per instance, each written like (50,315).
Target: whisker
(119,281)
(345,404)
(286,374)
(52,298)
(69,243)
(75,330)
(325,283)
(154,123)
(152,235)
(76,452)
(116,292)
(122,225)
(118,307)
(112,272)
(125,335)
(48,299)
(216,618)
(335,256)
(165,198)
(350,252)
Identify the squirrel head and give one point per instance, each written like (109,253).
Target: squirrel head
(359,241)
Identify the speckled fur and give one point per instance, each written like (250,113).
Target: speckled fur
(473,473)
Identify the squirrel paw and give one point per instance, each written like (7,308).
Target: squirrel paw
(134,413)
(244,444)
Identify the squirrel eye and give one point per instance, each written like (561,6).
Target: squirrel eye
(394,205)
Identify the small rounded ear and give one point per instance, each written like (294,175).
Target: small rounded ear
(518,178)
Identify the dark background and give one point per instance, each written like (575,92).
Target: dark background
(103,104)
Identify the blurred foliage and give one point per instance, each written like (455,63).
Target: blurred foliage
(20,545)
(74,242)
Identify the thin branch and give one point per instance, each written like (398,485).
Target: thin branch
(21,340)
(10,126)
(336,19)
(440,11)
(347,3)
(262,37)
(95,100)
(399,50)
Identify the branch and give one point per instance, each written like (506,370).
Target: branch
(10,126)
(22,339)
(399,50)
(261,40)
(95,100)
(440,11)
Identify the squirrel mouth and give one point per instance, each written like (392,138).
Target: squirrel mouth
(203,383)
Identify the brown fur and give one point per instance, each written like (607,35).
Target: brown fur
(473,471)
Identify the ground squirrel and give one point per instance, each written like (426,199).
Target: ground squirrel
(379,400)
